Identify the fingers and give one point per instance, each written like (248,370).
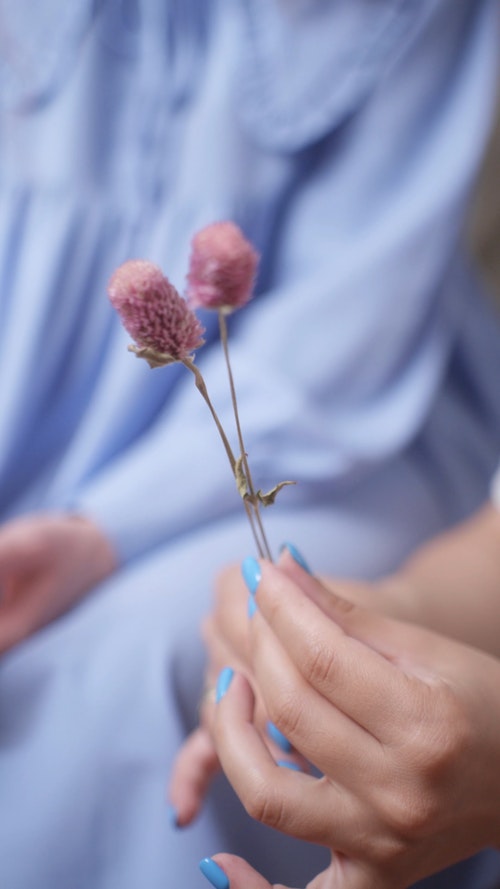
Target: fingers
(221,653)
(194,768)
(348,673)
(197,761)
(353,615)
(13,629)
(28,606)
(230,614)
(416,650)
(46,564)
(226,631)
(290,801)
(332,741)
(15,562)
(230,872)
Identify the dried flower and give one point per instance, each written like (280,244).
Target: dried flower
(221,275)
(153,312)
(222,268)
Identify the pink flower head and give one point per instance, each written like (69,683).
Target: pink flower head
(222,268)
(152,311)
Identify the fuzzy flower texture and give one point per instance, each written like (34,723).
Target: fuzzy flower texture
(222,268)
(152,312)
(221,276)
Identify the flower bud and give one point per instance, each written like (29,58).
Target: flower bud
(152,311)
(222,268)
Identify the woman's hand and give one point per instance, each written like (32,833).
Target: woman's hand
(47,563)
(226,636)
(403,724)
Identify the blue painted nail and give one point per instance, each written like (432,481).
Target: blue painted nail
(223,683)
(252,606)
(287,764)
(214,874)
(296,556)
(278,737)
(172,816)
(252,574)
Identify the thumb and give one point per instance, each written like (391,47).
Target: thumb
(230,872)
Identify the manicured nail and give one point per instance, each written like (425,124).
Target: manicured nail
(214,874)
(172,816)
(278,737)
(252,606)
(223,683)
(296,556)
(252,574)
(287,764)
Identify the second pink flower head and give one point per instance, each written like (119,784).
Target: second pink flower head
(222,268)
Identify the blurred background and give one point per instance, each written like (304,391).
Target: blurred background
(485,218)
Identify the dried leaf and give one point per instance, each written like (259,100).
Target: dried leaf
(154,358)
(241,479)
(269,498)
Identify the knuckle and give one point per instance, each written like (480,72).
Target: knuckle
(265,805)
(345,606)
(382,848)
(412,813)
(443,740)
(287,713)
(319,664)
(436,752)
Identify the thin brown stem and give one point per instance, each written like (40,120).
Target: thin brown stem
(202,389)
(253,497)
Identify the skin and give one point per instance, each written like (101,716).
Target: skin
(433,791)
(47,564)
(408,724)
(225,634)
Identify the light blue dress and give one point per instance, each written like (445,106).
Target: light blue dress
(344,138)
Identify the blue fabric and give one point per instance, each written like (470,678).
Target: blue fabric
(344,138)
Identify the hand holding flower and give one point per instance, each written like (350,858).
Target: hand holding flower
(227,641)
(402,723)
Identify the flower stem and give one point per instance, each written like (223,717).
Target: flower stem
(202,389)
(264,549)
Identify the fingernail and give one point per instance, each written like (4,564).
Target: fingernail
(278,737)
(296,556)
(287,764)
(223,683)
(172,816)
(252,574)
(214,874)
(252,606)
